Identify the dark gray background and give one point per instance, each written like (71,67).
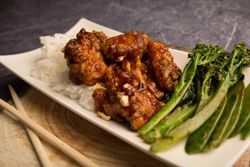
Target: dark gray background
(179,22)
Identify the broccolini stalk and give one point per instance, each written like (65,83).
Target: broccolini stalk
(202,54)
(229,118)
(197,140)
(240,57)
(245,131)
(178,116)
(193,123)
(245,114)
(185,81)
(209,53)
(184,110)
(206,90)
(229,74)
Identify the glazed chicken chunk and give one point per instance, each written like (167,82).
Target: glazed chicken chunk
(166,71)
(129,45)
(143,73)
(84,58)
(126,97)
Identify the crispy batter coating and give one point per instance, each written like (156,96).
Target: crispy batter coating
(166,71)
(127,97)
(84,57)
(130,45)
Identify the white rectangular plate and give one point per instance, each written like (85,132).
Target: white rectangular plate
(225,155)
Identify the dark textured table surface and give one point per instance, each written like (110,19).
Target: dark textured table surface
(177,22)
(183,23)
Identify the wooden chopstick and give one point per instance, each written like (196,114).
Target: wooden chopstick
(45,135)
(35,141)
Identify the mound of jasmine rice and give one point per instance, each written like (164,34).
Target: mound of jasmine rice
(53,70)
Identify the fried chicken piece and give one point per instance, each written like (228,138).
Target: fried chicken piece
(142,73)
(126,97)
(131,45)
(84,57)
(143,106)
(166,71)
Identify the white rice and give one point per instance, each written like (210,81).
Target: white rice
(52,69)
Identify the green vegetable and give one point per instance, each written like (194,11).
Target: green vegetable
(198,139)
(209,53)
(195,122)
(229,118)
(206,75)
(227,70)
(170,122)
(240,57)
(245,131)
(188,98)
(202,54)
(220,131)
(205,93)
(245,114)
(185,81)
(211,71)
(237,111)
(236,88)
(236,114)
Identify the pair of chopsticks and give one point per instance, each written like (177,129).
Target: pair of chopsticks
(42,133)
